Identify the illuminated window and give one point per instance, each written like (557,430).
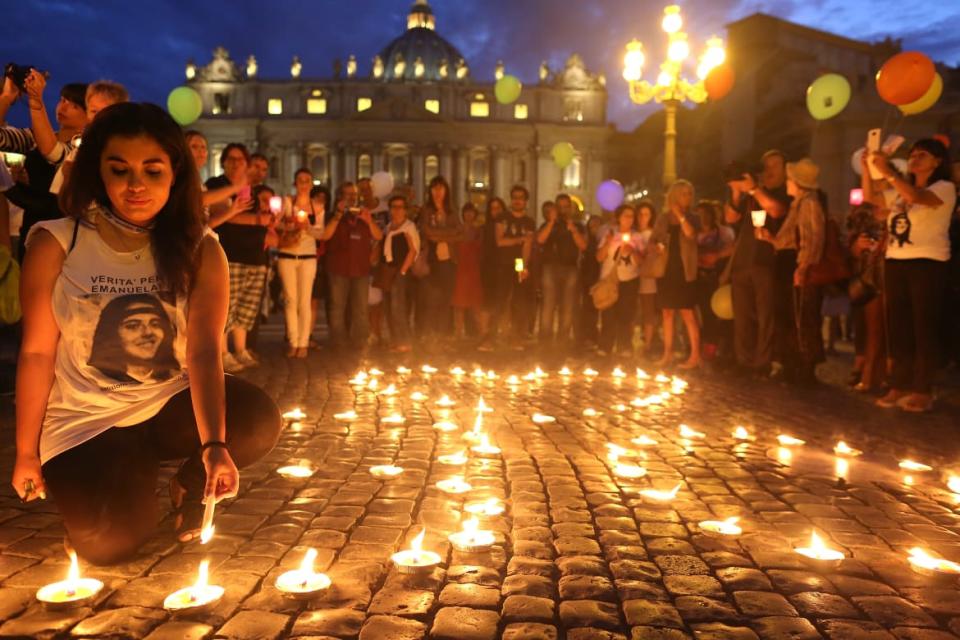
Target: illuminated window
(363,104)
(316,105)
(520,111)
(433,106)
(571,175)
(364,166)
(275,106)
(318,167)
(316,93)
(573,111)
(479,109)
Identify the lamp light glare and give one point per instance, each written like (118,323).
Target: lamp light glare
(672,22)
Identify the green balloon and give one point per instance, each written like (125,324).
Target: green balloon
(563,154)
(185,105)
(507,89)
(828,96)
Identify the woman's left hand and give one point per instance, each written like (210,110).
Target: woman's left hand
(223,478)
(800,277)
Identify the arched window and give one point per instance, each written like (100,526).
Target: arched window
(318,166)
(400,169)
(431,168)
(364,166)
(571,175)
(479,169)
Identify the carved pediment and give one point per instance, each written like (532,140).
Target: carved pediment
(576,76)
(220,69)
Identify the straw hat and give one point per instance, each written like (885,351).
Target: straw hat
(804,172)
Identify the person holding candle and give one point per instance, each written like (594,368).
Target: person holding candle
(561,242)
(675,233)
(441,232)
(621,250)
(514,236)
(299,227)
(93,439)
(918,250)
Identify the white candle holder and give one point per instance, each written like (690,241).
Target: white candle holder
(415,560)
(197,598)
(303,583)
(71,593)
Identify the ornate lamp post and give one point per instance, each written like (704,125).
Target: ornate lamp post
(671,88)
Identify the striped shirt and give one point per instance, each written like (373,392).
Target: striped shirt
(16,140)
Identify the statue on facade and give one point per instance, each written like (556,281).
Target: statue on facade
(296,67)
(498,70)
(544,71)
(351,66)
(377,67)
(251,66)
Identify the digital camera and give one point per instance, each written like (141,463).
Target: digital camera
(18,74)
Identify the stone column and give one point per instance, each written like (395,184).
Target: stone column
(460,175)
(350,163)
(446,163)
(416,175)
(334,169)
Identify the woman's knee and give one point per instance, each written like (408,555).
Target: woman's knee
(253,421)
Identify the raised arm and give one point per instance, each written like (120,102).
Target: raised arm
(43,132)
(38,351)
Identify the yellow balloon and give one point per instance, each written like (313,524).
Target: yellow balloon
(928,100)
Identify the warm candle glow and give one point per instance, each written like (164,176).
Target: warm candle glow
(482,406)
(457,371)
(390,390)
(590,373)
(954,484)
(910,465)
(302,580)
(418,396)
(841,467)
(453,459)
(445,401)
(485,448)
(206,529)
(454,485)
(591,413)
(923,562)
(393,418)
(784,456)
(618,373)
(445,425)
(726,527)
(374,384)
(628,471)
(301,470)
(843,449)
(565,372)
(541,418)
(660,495)
(471,538)
(200,594)
(642,375)
(687,432)
(415,559)
(385,471)
(513,380)
(404,370)
(488,508)
(74,591)
(741,433)
(294,415)
(374,371)
(662,379)
(427,369)
(818,550)
(644,441)
(345,416)
(790,441)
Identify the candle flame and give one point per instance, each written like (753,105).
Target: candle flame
(471,525)
(644,441)
(741,433)
(590,372)
(73,574)
(403,370)
(416,544)
(203,575)
(642,375)
(843,449)
(911,465)
(660,494)
(206,534)
(921,558)
(787,441)
(306,566)
(565,371)
(491,374)
(618,373)
(687,432)
(954,484)
(457,371)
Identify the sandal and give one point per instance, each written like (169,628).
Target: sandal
(916,403)
(188,514)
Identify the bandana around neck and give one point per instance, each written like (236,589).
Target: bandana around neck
(117,221)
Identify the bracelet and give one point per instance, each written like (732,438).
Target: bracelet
(212,443)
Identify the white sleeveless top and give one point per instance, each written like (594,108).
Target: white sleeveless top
(122,349)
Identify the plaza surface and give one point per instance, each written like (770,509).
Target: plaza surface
(580,552)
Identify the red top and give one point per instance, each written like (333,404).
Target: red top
(348,250)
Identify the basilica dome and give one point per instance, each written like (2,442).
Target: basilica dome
(420,54)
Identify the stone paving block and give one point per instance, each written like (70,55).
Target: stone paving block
(529,631)
(657,633)
(706,586)
(393,628)
(854,630)
(340,623)
(798,581)
(758,604)
(589,613)
(594,634)
(406,603)
(472,574)
(681,565)
(461,623)
(586,588)
(941,601)
(694,609)
(651,613)
(582,566)
(719,631)
(917,633)
(785,628)
(823,605)
(470,595)
(38,623)
(124,622)
(891,611)
(254,625)
(524,585)
(527,609)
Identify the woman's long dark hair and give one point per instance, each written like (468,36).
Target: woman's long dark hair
(429,207)
(178,226)
(939,151)
(107,353)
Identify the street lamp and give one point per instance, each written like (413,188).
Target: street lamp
(671,88)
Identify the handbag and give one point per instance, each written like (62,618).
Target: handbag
(420,267)
(833,265)
(606,291)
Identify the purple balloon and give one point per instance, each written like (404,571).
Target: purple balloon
(610,194)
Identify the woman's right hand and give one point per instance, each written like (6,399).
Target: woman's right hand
(27,471)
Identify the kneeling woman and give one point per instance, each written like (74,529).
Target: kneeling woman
(120,299)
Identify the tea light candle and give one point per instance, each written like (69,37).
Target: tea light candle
(644,441)
(390,390)
(819,555)
(206,529)
(393,418)
(294,415)
(72,592)
(478,373)
(385,471)
(591,413)
(565,372)
(741,433)
(721,528)
(629,471)
(513,380)
(303,582)
(842,449)
(403,371)
(418,396)
(687,432)
(359,380)
(454,485)
(926,565)
(415,559)
(197,597)
(662,379)
(429,370)
(540,373)
(482,406)
(276,204)
(590,373)
(841,467)
(541,418)
(618,373)
(296,471)
(345,416)
(472,539)
(790,441)
(759,217)
(659,496)
(453,459)
(485,508)
(445,426)
(374,371)
(620,407)
(910,465)
(374,384)
(491,374)
(485,449)
(457,371)
(953,483)
(445,401)
(642,375)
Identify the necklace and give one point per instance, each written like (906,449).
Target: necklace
(125,224)
(117,233)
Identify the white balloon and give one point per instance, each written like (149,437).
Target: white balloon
(382,184)
(856,159)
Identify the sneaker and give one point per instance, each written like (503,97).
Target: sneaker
(891,399)
(231,364)
(247,359)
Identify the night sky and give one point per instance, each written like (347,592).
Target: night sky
(145,45)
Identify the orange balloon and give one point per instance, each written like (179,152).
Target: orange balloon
(719,81)
(905,78)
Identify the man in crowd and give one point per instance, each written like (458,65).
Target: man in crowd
(257,170)
(514,235)
(751,269)
(561,241)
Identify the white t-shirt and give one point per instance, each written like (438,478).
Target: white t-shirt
(628,264)
(122,349)
(918,231)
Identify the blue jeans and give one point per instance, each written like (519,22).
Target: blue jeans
(355,292)
(559,286)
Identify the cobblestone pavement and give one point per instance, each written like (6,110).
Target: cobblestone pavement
(580,552)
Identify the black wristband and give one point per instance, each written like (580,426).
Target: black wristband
(212,443)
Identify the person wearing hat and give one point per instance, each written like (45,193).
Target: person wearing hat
(804,232)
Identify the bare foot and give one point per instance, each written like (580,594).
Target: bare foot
(690,364)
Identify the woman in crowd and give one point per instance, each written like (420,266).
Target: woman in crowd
(197,143)
(918,248)
(647,308)
(496,209)
(620,251)
(401,244)
(675,232)
(587,326)
(714,246)
(867,242)
(94,440)
(242,238)
(468,289)
(320,196)
(804,232)
(299,229)
(440,231)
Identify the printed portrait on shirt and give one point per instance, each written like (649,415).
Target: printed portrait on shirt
(134,340)
(900,229)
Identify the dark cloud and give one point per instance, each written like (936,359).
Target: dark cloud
(145,45)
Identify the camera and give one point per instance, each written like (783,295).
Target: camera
(734,171)
(18,74)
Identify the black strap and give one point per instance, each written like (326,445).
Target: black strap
(212,443)
(76,229)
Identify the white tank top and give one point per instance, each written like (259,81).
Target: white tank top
(122,349)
